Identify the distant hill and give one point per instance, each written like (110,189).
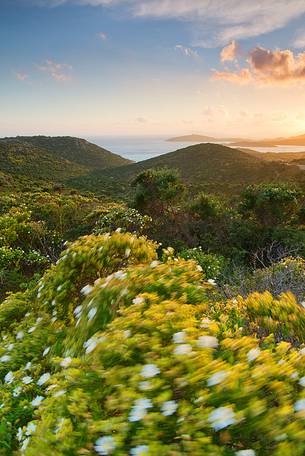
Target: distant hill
(242,142)
(290,141)
(203,139)
(192,138)
(210,167)
(54,159)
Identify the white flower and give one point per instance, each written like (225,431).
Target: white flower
(302,381)
(9,378)
(90,345)
(104,445)
(44,378)
(59,393)
(46,351)
(27,380)
(5,359)
(150,370)
(28,365)
(127,334)
(137,414)
(66,362)
(179,337)
(217,378)
(86,290)
(17,391)
(19,434)
(245,453)
(183,349)
(205,322)
(212,282)
(253,354)
(78,311)
(138,300)
(32,329)
(19,335)
(120,275)
(139,410)
(169,407)
(38,320)
(221,418)
(207,342)
(299,405)
(154,264)
(37,401)
(92,313)
(140,450)
(25,444)
(127,253)
(30,429)
(10,347)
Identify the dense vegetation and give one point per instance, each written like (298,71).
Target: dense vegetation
(171,323)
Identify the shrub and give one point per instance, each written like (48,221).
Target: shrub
(148,362)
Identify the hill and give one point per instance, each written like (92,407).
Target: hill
(52,159)
(290,141)
(211,167)
(203,138)
(192,138)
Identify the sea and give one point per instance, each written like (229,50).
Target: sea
(138,148)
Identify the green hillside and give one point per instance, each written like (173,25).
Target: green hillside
(211,167)
(52,159)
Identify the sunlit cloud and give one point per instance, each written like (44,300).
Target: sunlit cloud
(58,71)
(230,53)
(242,76)
(268,66)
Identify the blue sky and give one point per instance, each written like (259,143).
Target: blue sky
(97,67)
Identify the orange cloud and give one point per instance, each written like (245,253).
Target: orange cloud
(230,52)
(267,66)
(242,76)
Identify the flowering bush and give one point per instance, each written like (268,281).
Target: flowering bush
(145,361)
(125,219)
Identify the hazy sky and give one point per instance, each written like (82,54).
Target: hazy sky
(97,67)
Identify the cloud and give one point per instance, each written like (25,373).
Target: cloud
(230,52)
(188,52)
(57,71)
(214,22)
(21,76)
(242,76)
(268,66)
(102,35)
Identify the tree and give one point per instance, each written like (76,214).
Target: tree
(157,190)
(270,204)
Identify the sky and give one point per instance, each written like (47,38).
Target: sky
(152,67)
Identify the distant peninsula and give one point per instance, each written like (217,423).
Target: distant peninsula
(242,142)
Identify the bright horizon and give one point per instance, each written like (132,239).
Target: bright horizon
(152,68)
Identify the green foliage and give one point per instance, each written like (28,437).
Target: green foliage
(148,361)
(212,265)
(157,190)
(270,204)
(124,219)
